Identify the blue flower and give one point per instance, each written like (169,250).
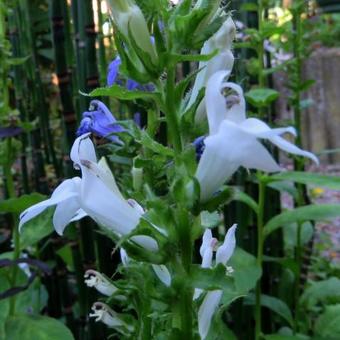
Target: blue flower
(199,146)
(130,84)
(100,121)
(10,131)
(113,71)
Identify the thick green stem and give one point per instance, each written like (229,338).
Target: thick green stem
(260,239)
(171,112)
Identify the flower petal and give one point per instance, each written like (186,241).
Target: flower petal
(66,190)
(162,273)
(237,112)
(207,310)
(215,101)
(261,130)
(78,215)
(64,214)
(103,205)
(291,148)
(225,251)
(206,241)
(83,149)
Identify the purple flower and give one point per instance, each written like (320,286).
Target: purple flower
(113,71)
(100,121)
(199,146)
(130,84)
(10,131)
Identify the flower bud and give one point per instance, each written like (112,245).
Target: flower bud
(137,178)
(105,314)
(129,18)
(224,60)
(99,282)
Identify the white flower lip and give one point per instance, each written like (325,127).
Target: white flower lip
(99,282)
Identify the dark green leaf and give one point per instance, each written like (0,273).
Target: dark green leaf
(325,291)
(37,328)
(327,326)
(36,229)
(332,182)
(312,212)
(18,205)
(122,93)
(274,304)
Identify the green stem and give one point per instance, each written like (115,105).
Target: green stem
(260,239)
(299,163)
(171,112)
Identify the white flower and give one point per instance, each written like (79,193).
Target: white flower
(224,60)
(213,298)
(102,312)
(99,282)
(233,138)
(96,194)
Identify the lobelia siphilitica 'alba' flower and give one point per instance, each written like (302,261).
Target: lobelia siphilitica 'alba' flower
(102,312)
(233,139)
(224,60)
(128,18)
(96,194)
(100,121)
(99,282)
(212,298)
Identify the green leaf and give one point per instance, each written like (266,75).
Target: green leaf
(211,278)
(156,147)
(311,212)
(325,291)
(122,93)
(274,304)
(36,229)
(246,271)
(327,326)
(178,58)
(241,196)
(331,182)
(18,205)
(17,61)
(37,328)
(261,97)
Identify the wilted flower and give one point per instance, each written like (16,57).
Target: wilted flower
(102,312)
(99,282)
(96,194)
(224,60)
(100,121)
(213,298)
(233,138)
